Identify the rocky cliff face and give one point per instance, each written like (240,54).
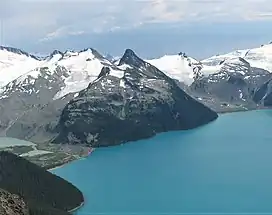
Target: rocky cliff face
(233,86)
(139,102)
(11,204)
(20,99)
(263,95)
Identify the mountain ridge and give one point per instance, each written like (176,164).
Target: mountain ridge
(142,102)
(223,83)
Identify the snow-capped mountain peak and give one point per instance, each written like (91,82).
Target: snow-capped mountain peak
(260,57)
(17,51)
(15,62)
(130,58)
(180,67)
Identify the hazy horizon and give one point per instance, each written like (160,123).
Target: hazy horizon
(152,28)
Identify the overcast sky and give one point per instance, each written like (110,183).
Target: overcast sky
(39,25)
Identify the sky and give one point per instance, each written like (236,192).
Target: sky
(151,27)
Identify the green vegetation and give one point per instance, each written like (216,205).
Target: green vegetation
(43,192)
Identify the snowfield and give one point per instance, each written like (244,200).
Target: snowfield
(176,67)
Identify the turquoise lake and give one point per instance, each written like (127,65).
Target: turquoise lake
(223,167)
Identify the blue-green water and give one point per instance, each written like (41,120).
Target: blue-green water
(223,167)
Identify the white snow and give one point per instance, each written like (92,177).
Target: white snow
(13,65)
(35,152)
(84,67)
(55,58)
(261,57)
(176,67)
(124,67)
(122,83)
(241,94)
(257,57)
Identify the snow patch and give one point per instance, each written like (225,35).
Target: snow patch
(35,152)
(122,83)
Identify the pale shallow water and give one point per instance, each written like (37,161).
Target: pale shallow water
(9,142)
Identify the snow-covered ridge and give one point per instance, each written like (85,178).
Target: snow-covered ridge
(17,51)
(257,57)
(14,63)
(178,67)
(183,68)
(84,66)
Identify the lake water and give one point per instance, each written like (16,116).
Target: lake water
(224,167)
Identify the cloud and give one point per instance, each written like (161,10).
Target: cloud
(60,32)
(45,20)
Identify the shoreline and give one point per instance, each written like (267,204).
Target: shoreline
(62,165)
(76,208)
(82,157)
(243,110)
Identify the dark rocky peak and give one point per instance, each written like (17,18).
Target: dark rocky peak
(183,54)
(104,71)
(130,58)
(141,67)
(18,51)
(55,52)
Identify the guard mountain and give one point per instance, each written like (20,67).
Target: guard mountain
(85,98)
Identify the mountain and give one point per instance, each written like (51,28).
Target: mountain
(15,62)
(223,82)
(42,192)
(32,104)
(180,67)
(38,101)
(135,98)
(232,86)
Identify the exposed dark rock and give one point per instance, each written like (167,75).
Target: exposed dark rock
(263,95)
(55,52)
(114,110)
(12,204)
(24,104)
(235,84)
